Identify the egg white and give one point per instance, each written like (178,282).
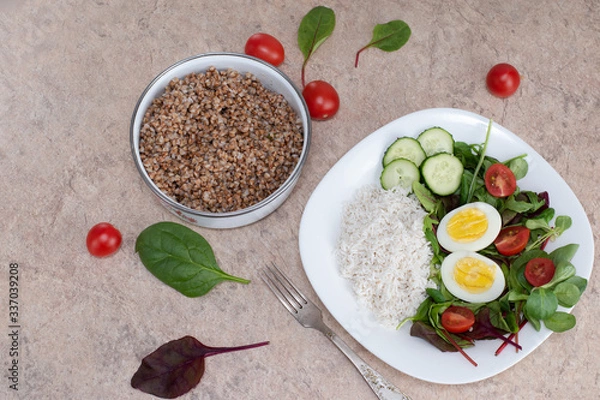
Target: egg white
(447,273)
(494,226)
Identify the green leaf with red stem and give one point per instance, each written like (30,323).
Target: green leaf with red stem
(315,28)
(388,37)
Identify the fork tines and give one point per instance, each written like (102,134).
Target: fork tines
(287,293)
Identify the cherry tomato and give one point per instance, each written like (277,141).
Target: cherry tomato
(265,47)
(103,240)
(539,271)
(500,180)
(512,240)
(321,99)
(503,80)
(457,319)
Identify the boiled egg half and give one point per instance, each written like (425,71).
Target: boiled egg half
(472,227)
(472,277)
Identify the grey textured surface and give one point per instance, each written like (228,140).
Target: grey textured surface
(70,75)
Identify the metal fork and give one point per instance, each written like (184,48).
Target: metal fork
(310,316)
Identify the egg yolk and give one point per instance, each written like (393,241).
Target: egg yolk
(473,275)
(467,225)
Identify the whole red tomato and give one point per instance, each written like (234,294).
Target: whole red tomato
(321,99)
(265,47)
(103,240)
(503,80)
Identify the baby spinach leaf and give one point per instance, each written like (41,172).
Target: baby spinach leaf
(541,304)
(176,367)
(567,294)
(560,321)
(388,37)
(578,281)
(564,270)
(518,166)
(315,28)
(181,258)
(436,295)
(564,253)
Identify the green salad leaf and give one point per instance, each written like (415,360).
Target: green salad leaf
(389,37)
(181,258)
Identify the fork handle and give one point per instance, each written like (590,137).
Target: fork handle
(380,386)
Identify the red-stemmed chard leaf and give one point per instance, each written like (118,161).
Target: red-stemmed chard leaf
(388,37)
(315,27)
(176,367)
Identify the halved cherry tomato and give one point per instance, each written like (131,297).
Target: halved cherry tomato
(457,319)
(539,271)
(265,47)
(103,239)
(512,240)
(500,180)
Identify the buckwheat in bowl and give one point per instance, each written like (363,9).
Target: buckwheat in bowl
(221,139)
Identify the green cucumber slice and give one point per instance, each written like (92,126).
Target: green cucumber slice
(442,173)
(400,172)
(436,140)
(405,147)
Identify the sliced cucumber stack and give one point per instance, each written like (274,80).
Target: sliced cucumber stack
(430,156)
(405,147)
(442,173)
(436,140)
(400,172)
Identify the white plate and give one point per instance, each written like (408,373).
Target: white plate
(320,226)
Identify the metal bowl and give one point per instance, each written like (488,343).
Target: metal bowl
(272,79)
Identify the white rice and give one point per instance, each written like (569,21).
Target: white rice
(383,251)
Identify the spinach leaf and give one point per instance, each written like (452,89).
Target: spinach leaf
(578,281)
(564,253)
(315,28)
(567,294)
(560,321)
(387,37)
(518,166)
(541,304)
(181,258)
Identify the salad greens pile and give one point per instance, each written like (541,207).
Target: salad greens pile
(521,302)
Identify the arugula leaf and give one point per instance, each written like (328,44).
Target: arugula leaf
(181,258)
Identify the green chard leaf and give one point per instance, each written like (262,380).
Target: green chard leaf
(181,258)
(315,28)
(388,37)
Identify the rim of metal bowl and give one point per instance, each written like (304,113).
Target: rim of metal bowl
(290,181)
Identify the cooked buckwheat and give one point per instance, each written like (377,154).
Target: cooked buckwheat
(219,141)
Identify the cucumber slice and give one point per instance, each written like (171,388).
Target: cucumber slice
(436,140)
(407,148)
(400,172)
(442,173)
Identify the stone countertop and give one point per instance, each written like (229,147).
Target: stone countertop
(70,76)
